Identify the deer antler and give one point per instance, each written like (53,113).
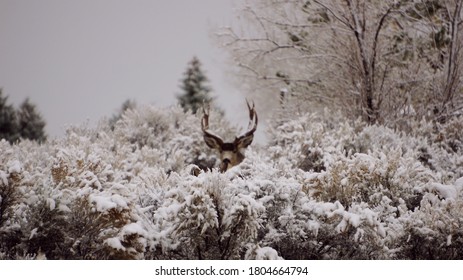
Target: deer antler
(212,140)
(247,137)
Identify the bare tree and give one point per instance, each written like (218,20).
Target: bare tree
(451,92)
(369,58)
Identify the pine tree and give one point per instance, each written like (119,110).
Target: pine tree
(194,87)
(8,122)
(31,124)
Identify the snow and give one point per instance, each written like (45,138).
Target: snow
(51,203)
(352,219)
(3,178)
(33,233)
(115,243)
(89,179)
(64,208)
(267,253)
(132,190)
(134,228)
(14,167)
(105,203)
(459,184)
(444,191)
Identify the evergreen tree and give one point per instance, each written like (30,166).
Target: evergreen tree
(194,87)
(31,124)
(8,122)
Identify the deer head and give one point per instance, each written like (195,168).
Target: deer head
(231,153)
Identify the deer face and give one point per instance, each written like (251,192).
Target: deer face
(231,153)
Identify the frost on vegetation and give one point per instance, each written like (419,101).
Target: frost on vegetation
(322,188)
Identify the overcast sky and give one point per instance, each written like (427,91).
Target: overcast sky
(79,60)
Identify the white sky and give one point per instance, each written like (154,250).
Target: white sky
(79,60)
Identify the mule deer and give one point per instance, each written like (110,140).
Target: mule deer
(231,153)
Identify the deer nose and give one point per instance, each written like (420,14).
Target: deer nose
(224,165)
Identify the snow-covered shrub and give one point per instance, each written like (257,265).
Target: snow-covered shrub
(10,176)
(45,231)
(91,194)
(441,147)
(369,171)
(370,178)
(262,253)
(322,188)
(206,217)
(436,230)
(172,138)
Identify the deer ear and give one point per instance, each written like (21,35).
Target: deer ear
(244,142)
(213,142)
